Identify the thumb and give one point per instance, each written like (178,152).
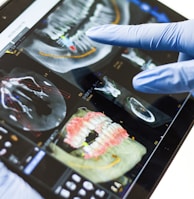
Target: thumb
(170,78)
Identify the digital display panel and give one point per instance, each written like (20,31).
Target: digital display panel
(73,98)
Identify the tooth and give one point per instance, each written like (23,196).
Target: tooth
(95,121)
(102,137)
(81,35)
(86,41)
(89,125)
(107,11)
(93,22)
(110,131)
(81,45)
(89,41)
(76,145)
(107,120)
(87,149)
(84,132)
(78,46)
(94,145)
(77,139)
(105,17)
(98,9)
(49,33)
(85,7)
(98,140)
(105,125)
(108,134)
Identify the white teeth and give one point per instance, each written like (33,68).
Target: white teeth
(114,126)
(107,122)
(103,126)
(78,140)
(100,119)
(81,41)
(102,137)
(107,18)
(98,10)
(89,42)
(89,126)
(78,44)
(102,14)
(92,23)
(84,132)
(94,145)
(76,145)
(98,140)
(108,134)
(82,44)
(101,20)
(106,10)
(86,40)
(70,14)
(87,149)
(94,121)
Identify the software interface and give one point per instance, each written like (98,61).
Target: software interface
(65,95)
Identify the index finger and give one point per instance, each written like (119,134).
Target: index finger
(164,36)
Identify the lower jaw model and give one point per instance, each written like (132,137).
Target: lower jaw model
(107,156)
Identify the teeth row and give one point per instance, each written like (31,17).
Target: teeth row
(102,15)
(109,137)
(72,13)
(110,133)
(91,125)
(71,17)
(61,23)
(81,41)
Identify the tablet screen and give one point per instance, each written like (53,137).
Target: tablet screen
(73,99)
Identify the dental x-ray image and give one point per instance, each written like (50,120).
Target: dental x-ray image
(135,106)
(143,61)
(59,41)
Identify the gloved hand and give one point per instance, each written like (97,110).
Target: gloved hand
(13,187)
(170,78)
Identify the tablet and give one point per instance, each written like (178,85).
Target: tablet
(71,123)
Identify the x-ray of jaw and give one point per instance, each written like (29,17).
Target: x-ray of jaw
(60,42)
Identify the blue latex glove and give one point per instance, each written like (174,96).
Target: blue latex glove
(170,78)
(13,187)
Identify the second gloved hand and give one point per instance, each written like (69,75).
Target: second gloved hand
(170,78)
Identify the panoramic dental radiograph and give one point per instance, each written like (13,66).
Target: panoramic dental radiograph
(60,42)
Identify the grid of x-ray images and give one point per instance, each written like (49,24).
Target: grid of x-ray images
(105,128)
